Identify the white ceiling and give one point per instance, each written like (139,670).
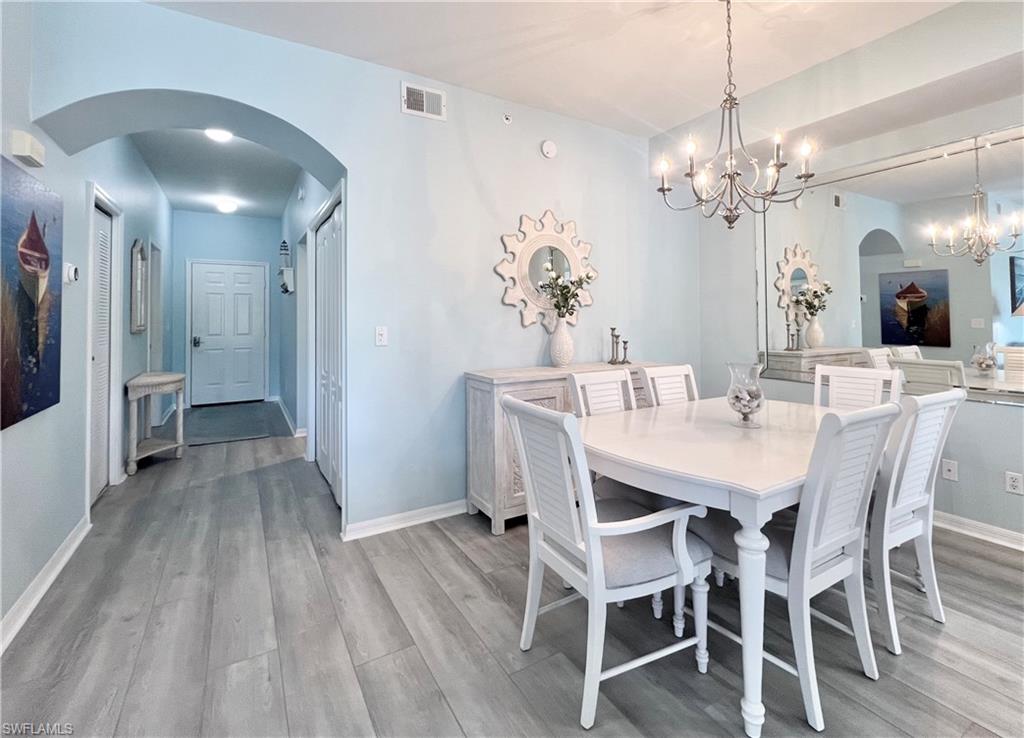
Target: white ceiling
(640,67)
(193,171)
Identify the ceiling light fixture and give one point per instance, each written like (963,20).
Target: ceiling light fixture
(731,194)
(226,205)
(980,239)
(219,135)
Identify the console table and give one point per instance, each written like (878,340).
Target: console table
(493,481)
(799,365)
(141,387)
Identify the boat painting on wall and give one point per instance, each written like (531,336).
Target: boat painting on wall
(914,307)
(31,234)
(1017,286)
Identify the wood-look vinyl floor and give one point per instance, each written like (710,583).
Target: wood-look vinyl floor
(214,597)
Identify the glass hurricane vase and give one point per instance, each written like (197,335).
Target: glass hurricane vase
(745,395)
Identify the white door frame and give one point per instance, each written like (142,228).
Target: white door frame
(96,197)
(150,323)
(322,214)
(188,320)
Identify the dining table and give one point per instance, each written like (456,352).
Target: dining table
(695,452)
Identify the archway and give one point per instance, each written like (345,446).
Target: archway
(878,242)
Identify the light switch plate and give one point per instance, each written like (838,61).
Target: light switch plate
(977,322)
(380,336)
(950,470)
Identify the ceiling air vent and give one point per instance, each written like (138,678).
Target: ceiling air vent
(424,102)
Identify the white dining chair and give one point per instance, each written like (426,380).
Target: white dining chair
(1013,362)
(608,550)
(924,376)
(826,544)
(669,385)
(905,500)
(854,387)
(906,352)
(878,358)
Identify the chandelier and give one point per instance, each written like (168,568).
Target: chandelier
(980,239)
(730,194)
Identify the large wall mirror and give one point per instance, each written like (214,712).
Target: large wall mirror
(866,228)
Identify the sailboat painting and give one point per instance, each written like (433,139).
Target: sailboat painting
(1017,286)
(914,307)
(31,234)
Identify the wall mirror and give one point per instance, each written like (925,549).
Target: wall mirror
(140,282)
(868,227)
(536,243)
(796,271)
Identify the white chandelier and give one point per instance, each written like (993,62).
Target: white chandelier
(980,239)
(730,194)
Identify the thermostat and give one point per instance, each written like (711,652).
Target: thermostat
(548,149)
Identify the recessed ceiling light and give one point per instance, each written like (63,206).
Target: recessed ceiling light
(219,135)
(226,204)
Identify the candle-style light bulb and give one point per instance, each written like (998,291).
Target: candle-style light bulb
(931,234)
(949,236)
(805,155)
(1014,224)
(691,149)
(777,140)
(663,167)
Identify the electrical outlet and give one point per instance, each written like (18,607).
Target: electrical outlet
(1015,483)
(380,336)
(950,470)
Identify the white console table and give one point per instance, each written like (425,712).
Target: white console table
(493,481)
(799,365)
(140,388)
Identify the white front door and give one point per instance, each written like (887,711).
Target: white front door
(329,300)
(99,401)
(228,343)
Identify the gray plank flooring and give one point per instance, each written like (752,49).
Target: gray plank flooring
(214,597)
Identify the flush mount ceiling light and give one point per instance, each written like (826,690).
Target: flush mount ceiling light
(226,204)
(980,238)
(219,135)
(730,194)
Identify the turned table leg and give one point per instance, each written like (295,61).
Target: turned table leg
(179,420)
(133,436)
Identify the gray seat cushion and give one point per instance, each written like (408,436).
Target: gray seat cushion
(718,529)
(645,556)
(607,488)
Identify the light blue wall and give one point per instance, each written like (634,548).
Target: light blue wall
(42,465)
(229,238)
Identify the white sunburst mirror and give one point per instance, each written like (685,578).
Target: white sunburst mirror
(528,249)
(795,269)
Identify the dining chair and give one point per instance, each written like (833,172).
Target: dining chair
(854,387)
(826,544)
(669,385)
(611,391)
(878,358)
(924,376)
(1013,361)
(906,352)
(607,550)
(905,499)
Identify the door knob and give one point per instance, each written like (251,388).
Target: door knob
(196,340)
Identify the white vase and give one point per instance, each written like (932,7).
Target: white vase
(814,336)
(561,344)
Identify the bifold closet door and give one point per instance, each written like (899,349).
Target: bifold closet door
(329,300)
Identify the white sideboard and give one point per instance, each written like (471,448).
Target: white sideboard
(799,365)
(493,481)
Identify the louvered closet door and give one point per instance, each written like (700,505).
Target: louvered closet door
(99,400)
(329,300)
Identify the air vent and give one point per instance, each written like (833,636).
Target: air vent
(424,102)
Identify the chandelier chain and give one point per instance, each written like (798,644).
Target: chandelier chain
(730,86)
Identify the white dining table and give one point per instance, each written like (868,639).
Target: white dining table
(693,452)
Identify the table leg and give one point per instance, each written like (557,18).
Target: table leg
(147,409)
(752,545)
(133,436)
(179,419)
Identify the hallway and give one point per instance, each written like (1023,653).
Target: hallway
(215,597)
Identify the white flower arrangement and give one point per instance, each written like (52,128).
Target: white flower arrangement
(813,299)
(564,293)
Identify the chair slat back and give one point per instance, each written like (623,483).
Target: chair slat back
(854,388)
(595,393)
(906,352)
(834,502)
(551,458)
(669,385)
(924,376)
(1013,361)
(878,358)
(911,460)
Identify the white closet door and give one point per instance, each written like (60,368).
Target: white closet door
(99,471)
(329,300)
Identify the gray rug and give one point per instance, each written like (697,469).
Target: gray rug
(241,421)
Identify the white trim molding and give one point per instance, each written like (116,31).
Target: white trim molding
(403,520)
(982,531)
(26,603)
(296,432)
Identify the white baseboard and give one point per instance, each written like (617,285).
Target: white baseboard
(983,531)
(20,610)
(296,432)
(402,520)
